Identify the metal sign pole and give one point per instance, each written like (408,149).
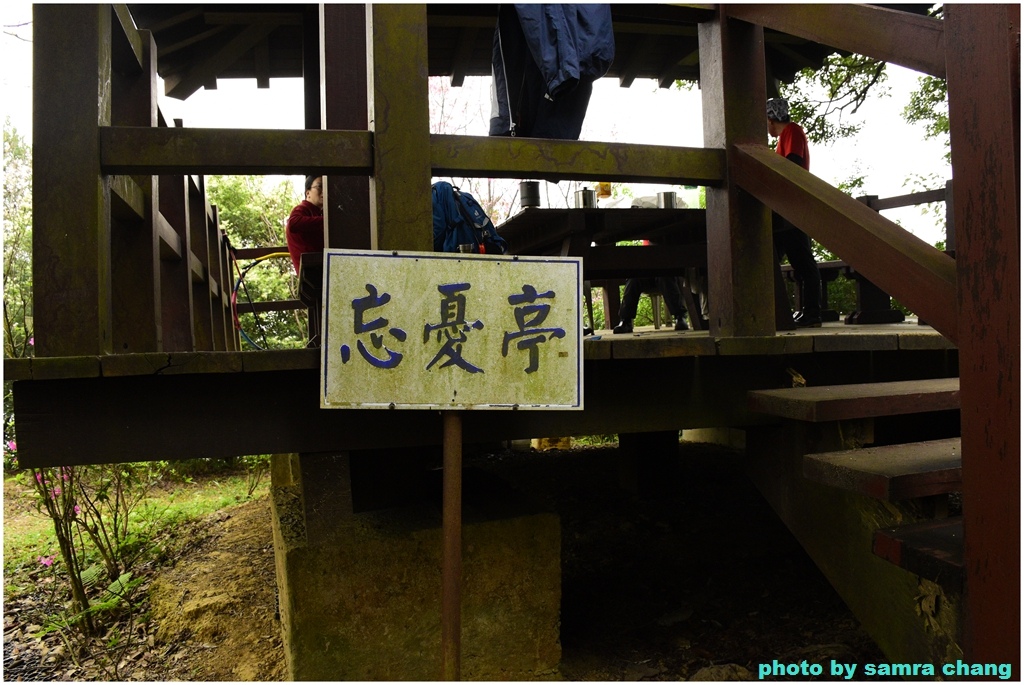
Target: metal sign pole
(451,559)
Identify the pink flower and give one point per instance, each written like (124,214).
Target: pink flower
(12,446)
(78,510)
(32,340)
(39,477)
(47,561)
(55,493)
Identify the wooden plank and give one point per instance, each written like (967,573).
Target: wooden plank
(909,40)
(132,150)
(856,341)
(71,229)
(740,290)
(400,202)
(983,63)
(891,472)
(554,160)
(898,262)
(662,344)
(932,550)
(857,401)
(779,344)
(923,340)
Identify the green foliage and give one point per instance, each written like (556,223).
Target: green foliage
(928,105)
(17,278)
(595,440)
(257,466)
(253,214)
(822,100)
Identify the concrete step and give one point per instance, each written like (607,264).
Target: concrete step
(857,401)
(932,549)
(891,472)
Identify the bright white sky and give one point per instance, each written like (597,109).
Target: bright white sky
(888,151)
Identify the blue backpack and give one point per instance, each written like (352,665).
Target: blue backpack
(460,220)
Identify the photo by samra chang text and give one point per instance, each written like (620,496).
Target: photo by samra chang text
(853,671)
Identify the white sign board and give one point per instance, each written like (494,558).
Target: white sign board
(429,330)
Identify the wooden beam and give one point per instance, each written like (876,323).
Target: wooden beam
(227,54)
(250,18)
(909,40)
(171,48)
(463,51)
(554,160)
(132,150)
(71,228)
(898,262)
(400,204)
(983,58)
(739,237)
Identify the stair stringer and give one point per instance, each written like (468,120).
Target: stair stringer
(910,618)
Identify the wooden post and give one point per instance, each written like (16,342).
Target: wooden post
(983,72)
(740,292)
(343,107)
(400,208)
(451,555)
(135,248)
(71,207)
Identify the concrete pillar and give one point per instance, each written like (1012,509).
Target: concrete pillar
(360,594)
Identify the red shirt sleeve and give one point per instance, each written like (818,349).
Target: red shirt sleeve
(792,141)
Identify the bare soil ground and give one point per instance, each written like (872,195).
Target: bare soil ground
(702,585)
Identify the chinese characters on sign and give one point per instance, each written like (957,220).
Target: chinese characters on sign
(498,332)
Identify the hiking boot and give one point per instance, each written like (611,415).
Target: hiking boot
(681,325)
(806,320)
(623,327)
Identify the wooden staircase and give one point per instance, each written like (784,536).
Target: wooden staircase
(817,456)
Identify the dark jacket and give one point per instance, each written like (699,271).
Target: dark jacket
(545,61)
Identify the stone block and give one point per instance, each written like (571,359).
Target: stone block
(361,599)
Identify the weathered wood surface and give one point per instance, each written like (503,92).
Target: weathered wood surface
(400,201)
(500,157)
(740,284)
(857,401)
(931,549)
(138,150)
(71,248)
(891,472)
(909,40)
(983,69)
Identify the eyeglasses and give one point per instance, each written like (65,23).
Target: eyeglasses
(315,187)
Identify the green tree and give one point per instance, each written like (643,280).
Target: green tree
(17,279)
(253,214)
(823,100)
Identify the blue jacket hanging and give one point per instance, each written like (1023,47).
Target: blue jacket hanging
(544,62)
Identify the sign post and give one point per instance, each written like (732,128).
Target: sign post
(451,332)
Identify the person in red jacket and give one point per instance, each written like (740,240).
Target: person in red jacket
(305,227)
(789,240)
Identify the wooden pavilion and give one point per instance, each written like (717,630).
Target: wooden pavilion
(136,356)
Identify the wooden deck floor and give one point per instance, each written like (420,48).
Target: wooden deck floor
(101,409)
